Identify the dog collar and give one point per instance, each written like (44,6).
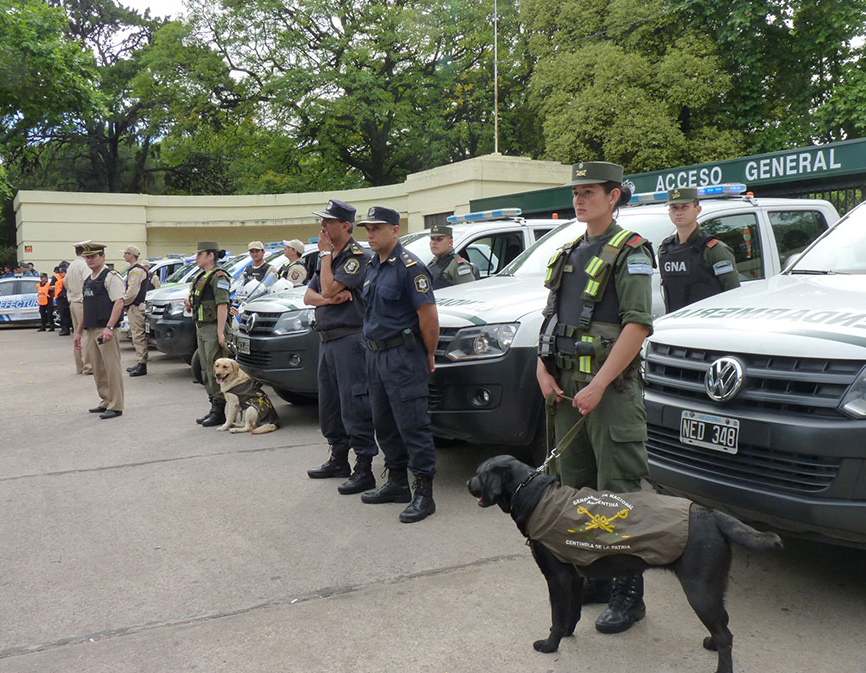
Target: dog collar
(524,483)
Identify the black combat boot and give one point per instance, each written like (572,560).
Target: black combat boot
(139,370)
(422,504)
(626,605)
(596,591)
(336,466)
(362,478)
(396,489)
(217,415)
(209,412)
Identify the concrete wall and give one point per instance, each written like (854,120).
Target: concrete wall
(50,222)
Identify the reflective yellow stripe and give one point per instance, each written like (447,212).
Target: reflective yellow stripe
(617,240)
(584,364)
(594,266)
(591,287)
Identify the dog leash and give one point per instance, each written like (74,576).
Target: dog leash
(554,451)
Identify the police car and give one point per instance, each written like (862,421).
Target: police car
(484,388)
(276,340)
(19,301)
(756,398)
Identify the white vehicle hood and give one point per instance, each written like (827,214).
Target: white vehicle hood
(787,315)
(168,293)
(290,299)
(499,299)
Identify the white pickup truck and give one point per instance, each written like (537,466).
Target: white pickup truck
(484,388)
(756,398)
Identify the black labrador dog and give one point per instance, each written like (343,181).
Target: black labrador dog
(702,569)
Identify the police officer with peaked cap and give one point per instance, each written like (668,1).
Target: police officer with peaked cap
(447,267)
(401,327)
(103,306)
(208,302)
(693,264)
(595,321)
(344,405)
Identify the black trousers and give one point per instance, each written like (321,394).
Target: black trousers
(46,315)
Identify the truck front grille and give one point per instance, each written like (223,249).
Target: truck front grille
(255,359)
(774,469)
(155,310)
(262,322)
(803,386)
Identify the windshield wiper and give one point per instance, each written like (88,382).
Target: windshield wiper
(814,272)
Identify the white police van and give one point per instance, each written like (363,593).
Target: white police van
(756,398)
(484,388)
(19,300)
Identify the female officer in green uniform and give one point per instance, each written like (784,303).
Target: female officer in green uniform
(596,319)
(209,303)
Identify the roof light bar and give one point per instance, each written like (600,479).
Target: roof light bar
(726,189)
(484,215)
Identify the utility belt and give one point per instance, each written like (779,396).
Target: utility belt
(327,335)
(405,338)
(584,354)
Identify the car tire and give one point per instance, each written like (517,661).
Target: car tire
(195,365)
(536,450)
(296,398)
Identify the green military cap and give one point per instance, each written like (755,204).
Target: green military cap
(91,248)
(441,230)
(683,195)
(203,246)
(594,173)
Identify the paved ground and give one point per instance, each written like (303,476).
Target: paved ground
(147,543)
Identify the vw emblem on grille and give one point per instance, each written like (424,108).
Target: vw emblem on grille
(724,379)
(251,323)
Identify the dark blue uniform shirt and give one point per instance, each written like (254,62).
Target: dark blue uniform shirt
(394,290)
(348,266)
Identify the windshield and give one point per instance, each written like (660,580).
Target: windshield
(652,224)
(180,274)
(842,249)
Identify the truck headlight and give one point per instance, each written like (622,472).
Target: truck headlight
(295,322)
(176,309)
(485,341)
(854,401)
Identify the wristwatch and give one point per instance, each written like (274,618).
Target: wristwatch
(110,328)
(325,253)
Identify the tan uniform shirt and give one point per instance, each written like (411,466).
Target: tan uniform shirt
(76,274)
(134,280)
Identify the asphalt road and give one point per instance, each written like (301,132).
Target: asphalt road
(147,543)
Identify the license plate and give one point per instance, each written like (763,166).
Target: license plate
(709,431)
(243,345)
(146,327)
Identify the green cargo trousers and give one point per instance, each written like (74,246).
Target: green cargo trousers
(608,454)
(209,350)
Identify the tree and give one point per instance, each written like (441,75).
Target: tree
(622,81)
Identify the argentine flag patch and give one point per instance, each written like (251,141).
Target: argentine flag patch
(723,267)
(640,265)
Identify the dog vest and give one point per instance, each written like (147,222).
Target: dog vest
(581,526)
(250,394)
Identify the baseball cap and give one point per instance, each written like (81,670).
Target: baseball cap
(132,249)
(256,245)
(296,244)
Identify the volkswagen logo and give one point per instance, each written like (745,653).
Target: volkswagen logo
(724,379)
(251,323)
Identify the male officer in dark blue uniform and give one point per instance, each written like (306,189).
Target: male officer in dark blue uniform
(401,326)
(344,406)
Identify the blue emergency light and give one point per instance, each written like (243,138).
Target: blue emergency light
(484,215)
(726,189)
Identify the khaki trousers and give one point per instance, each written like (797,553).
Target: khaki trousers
(82,364)
(106,368)
(136,329)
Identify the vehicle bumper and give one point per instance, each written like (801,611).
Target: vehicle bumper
(288,362)
(487,401)
(802,475)
(172,336)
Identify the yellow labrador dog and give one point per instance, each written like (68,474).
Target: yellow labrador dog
(246,396)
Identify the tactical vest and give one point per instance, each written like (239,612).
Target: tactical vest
(203,301)
(97,303)
(440,265)
(287,269)
(145,284)
(43,290)
(251,273)
(582,313)
(685,277)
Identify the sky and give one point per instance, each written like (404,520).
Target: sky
(157,7)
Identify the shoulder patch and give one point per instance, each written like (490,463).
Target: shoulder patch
(712,242)
(640,265)
(462,270)
(223,284)
(421,282)
(351,266)
(635,241)
(722,267)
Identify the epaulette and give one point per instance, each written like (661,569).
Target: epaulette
(636,241)
(712,242)
(114,271)
(356,250)
(407,260)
